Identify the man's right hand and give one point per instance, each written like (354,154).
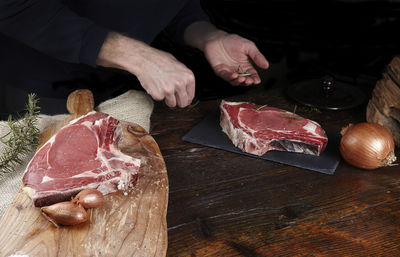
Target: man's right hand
(159,73)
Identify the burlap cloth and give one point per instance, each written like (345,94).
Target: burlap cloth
(132,106)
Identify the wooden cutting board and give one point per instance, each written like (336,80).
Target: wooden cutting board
(125,225)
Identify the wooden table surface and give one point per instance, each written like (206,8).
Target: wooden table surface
(227,204)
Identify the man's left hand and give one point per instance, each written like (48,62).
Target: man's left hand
(229,55)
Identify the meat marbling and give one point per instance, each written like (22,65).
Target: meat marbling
(257,129)
(83,154)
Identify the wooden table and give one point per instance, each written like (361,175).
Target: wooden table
(227,204)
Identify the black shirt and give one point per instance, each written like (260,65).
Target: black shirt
(74,30)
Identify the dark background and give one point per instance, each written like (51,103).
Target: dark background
(350,40)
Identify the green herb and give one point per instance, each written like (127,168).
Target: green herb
(242,73)
(194,104)
(261,107)
(292,117)
(22,137)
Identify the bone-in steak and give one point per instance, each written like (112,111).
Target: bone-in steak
(83,154)
(257,129)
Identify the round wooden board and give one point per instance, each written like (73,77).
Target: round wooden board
(131,224)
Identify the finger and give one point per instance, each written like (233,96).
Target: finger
(178,100)
(254,78)
(237,81)
(225,72)
(181,94)
(170,100)
(257,79)
(228,75)
(241,79)
(190,90)
(258,58)
(182,99)
(234,83)
(249,81)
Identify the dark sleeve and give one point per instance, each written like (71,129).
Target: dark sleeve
(189,14)
(51,28)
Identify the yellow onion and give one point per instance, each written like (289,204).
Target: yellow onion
(89,198)
(64,213)
(367,145)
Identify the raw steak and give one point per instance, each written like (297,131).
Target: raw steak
(258,129)
(83,154)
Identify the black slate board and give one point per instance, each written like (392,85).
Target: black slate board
(209,133)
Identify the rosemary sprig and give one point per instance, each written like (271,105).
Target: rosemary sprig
(261,107)
(22,137)
(242,73)
(292,117)
(194,104)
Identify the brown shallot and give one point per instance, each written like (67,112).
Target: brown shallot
(73,212)
(367,145)
(89,198)
(64,213)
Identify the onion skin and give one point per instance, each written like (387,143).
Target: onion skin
(367,145)
(64,213)
(89,198)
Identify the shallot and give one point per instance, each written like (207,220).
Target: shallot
(73,212)
(89,198)
(367,145)
(64,213)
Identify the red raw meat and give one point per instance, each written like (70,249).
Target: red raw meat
(83,154)
(256,129)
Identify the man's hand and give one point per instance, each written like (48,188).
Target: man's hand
(228,54)
(165,78)
(159,73)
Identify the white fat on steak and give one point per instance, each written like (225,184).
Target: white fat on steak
(258,129)
(83,154)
